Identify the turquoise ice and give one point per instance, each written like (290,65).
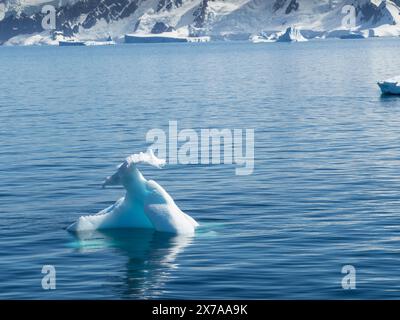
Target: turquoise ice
(145,205)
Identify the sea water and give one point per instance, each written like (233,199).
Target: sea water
(324,192)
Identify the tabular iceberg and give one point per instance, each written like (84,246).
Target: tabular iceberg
(145,205)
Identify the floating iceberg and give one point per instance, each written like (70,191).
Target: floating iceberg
(159,38)
(262,38)
(74,43)
(291,34)
(71,43)
(390,86)
(354,35)
(145,205)
(100,43)
(166,37)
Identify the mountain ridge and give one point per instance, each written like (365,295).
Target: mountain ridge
(220,19)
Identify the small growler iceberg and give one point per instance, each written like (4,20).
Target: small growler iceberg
(145,205)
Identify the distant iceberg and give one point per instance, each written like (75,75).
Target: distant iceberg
(263,37)
(100,43)
(390,86)
(353,35)
(74,43)
(166,37)
(135,38)
(71,43)
(145,205)
(292,34)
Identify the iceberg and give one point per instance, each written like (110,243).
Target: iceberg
(390,86)
(71,43)
(291,34)
(263,37)
(353,35)
(145,205)
(74,43)
(160,38)
(100,43)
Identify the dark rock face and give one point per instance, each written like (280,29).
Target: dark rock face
(370,12)
(293,6)
(109,10)
(200,14)
(278,4)
(11,26)
(160,27)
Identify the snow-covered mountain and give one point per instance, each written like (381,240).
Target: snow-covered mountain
(220,19)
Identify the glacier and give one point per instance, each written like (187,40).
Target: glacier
(146,204)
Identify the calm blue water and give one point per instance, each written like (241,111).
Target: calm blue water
(324,192)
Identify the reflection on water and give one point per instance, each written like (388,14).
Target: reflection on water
(150,255)
(389,97)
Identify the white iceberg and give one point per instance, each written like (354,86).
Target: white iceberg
(291,34)
(263,38)
(145,205)
(390,86)
(100,43)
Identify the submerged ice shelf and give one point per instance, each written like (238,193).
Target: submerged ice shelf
(145,205)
